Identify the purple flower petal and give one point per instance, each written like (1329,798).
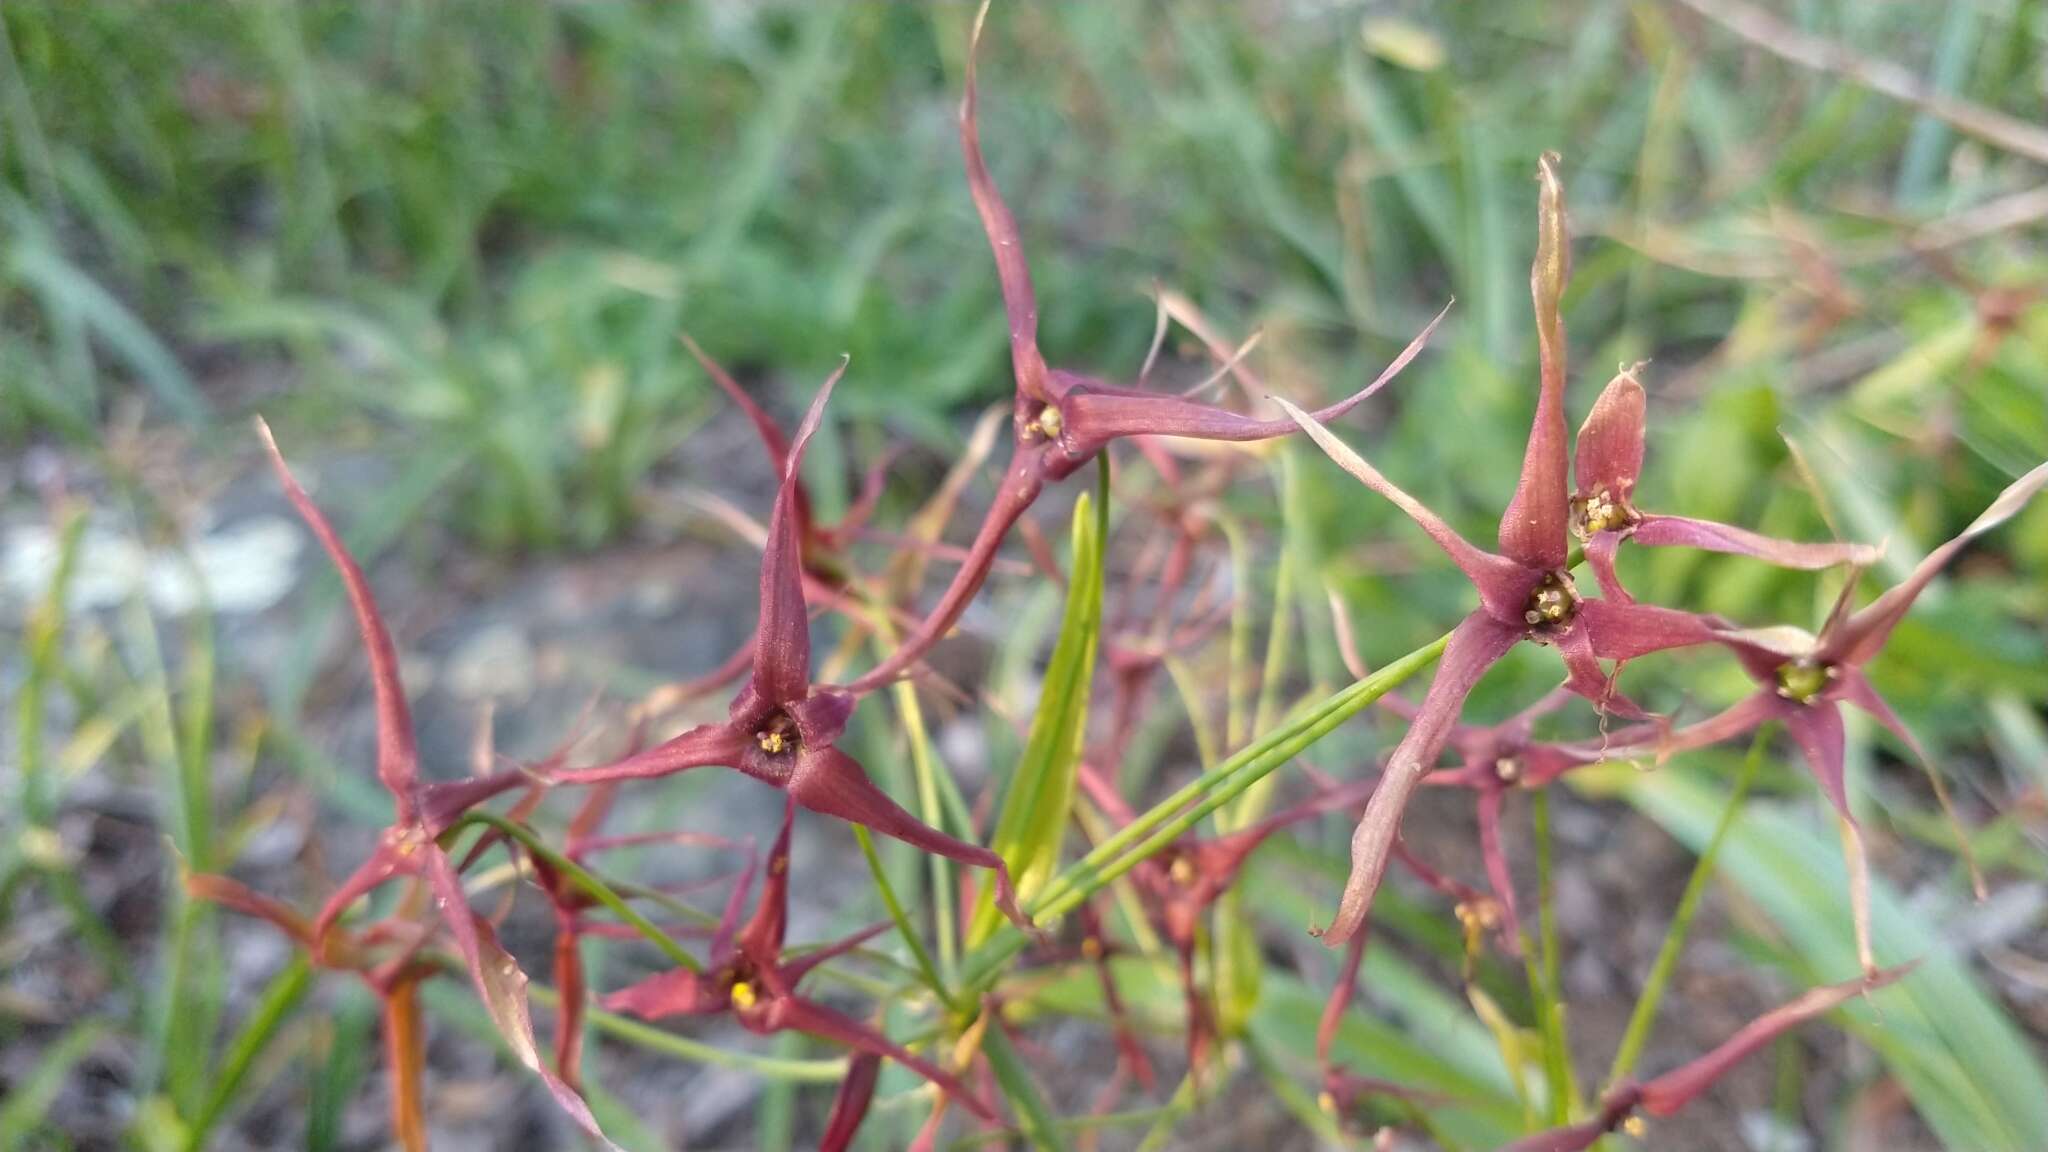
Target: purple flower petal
(1475,645)
(795,1013)
(1817,729)
(1609,454)
(1533,529)
(1094,416)
(1862,634)
(1681,532)
(1856,688)
(398,756)
(782,643)
(1668,1093)
(1504,586)
(1020,299)
(705,746)
(829,781)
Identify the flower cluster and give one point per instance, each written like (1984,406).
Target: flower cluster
(783,727)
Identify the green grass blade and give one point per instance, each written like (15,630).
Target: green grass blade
(29,1099)
(276,1003)
(1038,805)
(1041,1128)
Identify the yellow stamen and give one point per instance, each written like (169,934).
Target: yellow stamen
(743,996)
(1091,948)
(1050,422)
(1635,1127)
(1182,871)
(1327,1103)
(773,743)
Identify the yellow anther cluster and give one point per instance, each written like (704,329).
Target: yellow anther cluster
(743,995)
(773,742)
(1182,871)
(1603,512)
(1549,604)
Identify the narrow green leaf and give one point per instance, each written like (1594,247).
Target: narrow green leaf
(1039,803)
(1041,1128)
(271,1009)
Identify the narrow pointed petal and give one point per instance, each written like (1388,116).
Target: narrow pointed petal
(772,439)
(796,1013)
(676,992)
(1020,299)
(1856,688)
(1476,645)
(1131,1053)
(1224,856)
(1817,729)
(729,919)
(1859,638)
(1609,454)
(1498,877)
(1503,585)
(761,939)
(385,862)
(1743,716)
(442,803)
(850,1103)
(705,746)
(1516,729)
(1020,486)
(1104,795)
(1601,548)
(1658,531)
(1585,677)
(795,968)
(782,641)
(397,755)
(1668,1093)
(1341,994)
(1626,631)
(1533,529)
(829,781)
(235,896)
(1096,416)
(502,987)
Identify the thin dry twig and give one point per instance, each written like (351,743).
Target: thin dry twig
(1765,30)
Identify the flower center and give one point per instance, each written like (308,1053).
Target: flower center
(1553,602)
(1047,424)
(1507,770)
(743,997)
(1603,511)
(778,735)
(1182,870)
(1804,679)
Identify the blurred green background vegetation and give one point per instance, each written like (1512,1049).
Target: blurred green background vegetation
(463,238)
